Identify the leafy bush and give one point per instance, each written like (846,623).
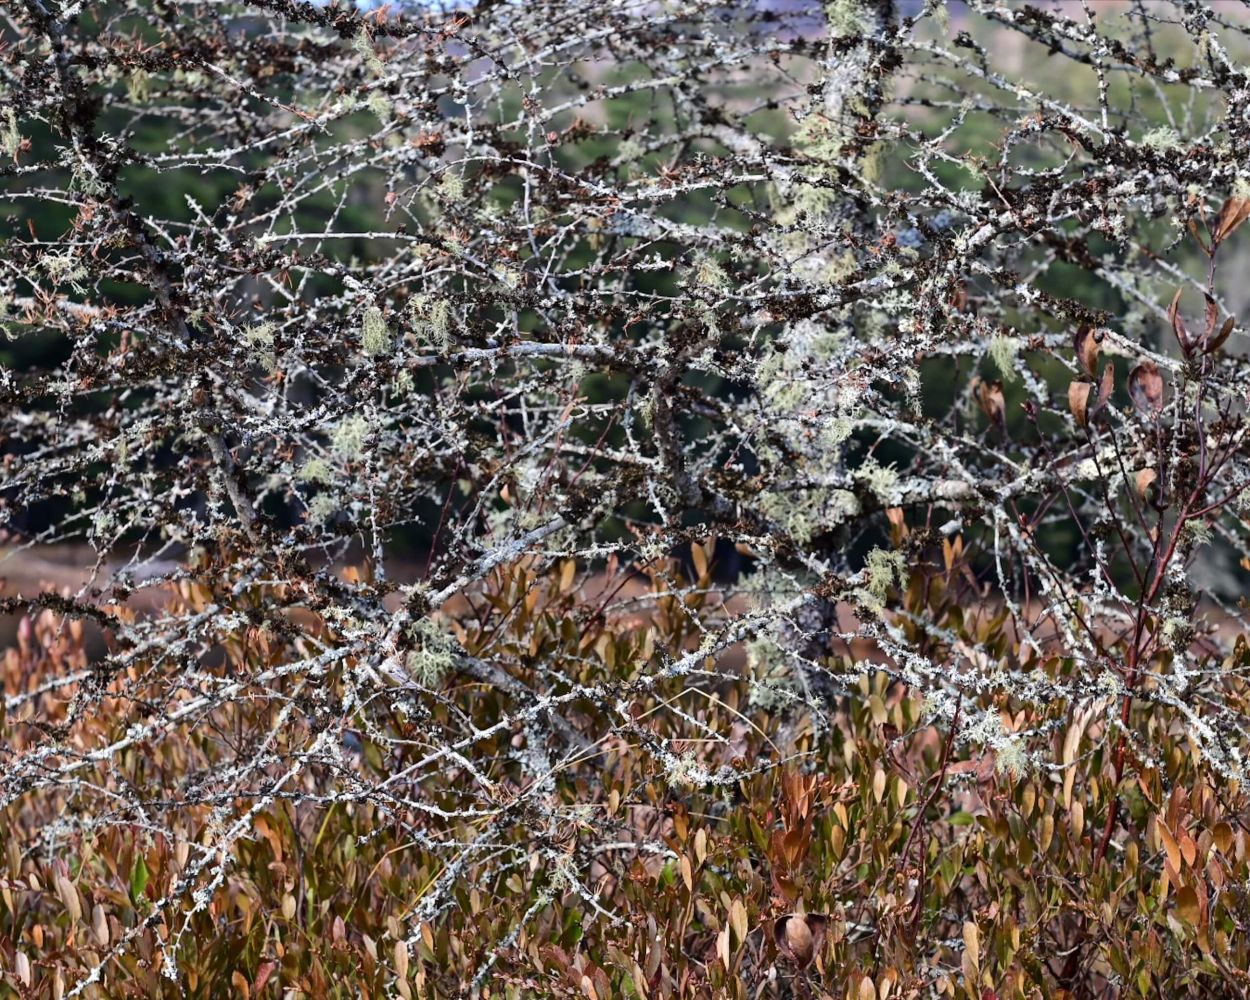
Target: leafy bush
(653,500)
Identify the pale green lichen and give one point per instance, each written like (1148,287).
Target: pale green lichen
(881,480)
(451,185)
(321,508)
(839,269)
(845,17)
(375,338)
(685,771)
(139,86)
(1198,532)
(259,339)
(10,138)
(1010,756)
(1161,139)
(433,655)
(63,268)
(349,437)
(822,141)
(771,685)
(629,151)
(872,162)
(431,321)
(379,104)
(883,569)
(708,273)
(1176,633)
(316,470)
(804,513)
(1012,759)
(1003,352)
(362,44)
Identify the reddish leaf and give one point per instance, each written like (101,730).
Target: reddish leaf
(262,976)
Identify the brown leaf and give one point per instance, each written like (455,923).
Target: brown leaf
(799,936)
(1187,906)
(1145,388)
(1087,343)
(1234,212)
(1212,316)
(1078,402)
(1106,387)
(1218,341)
(990,399)
(1178,322)
(1147,487)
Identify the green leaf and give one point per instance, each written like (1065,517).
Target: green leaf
(138,878)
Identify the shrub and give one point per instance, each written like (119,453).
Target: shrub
(625,500)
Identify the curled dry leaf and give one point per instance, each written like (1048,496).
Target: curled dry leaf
(1178,323)
(1217,341)
(1088,342)
(1145,388)
(1234,212)
(799,936)
(1212,316)
(1106,386)
(1078,401)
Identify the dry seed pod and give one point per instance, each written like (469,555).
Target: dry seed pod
(1145,388)
(799,936)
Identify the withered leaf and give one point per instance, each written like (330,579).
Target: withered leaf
(1218,340)
(1178,322)
(1212,315)
(1078,401)
(1145,388)
(1234,212)
(1087,342)
(1106,387)
(799,936)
